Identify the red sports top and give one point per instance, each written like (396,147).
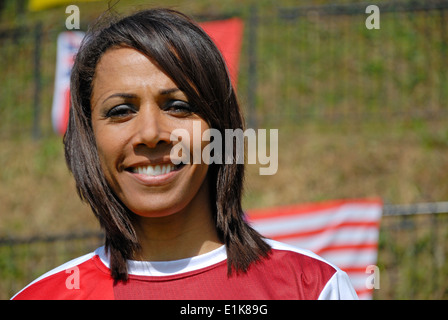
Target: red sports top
(287,273)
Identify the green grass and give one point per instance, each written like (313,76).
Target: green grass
(412,258)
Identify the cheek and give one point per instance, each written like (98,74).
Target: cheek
(199,140)
(104,156)
(109,150)
(103,146)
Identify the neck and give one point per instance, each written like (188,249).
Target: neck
(184,234)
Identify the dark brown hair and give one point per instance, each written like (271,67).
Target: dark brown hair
(186,53)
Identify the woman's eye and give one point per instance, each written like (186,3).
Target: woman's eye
(179,107)
(120,111)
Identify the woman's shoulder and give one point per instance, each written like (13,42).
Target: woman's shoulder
(331,281)
(76,279)
(299,260)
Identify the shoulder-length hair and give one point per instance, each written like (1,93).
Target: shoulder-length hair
(186,53)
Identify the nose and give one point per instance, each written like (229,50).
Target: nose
(151,128)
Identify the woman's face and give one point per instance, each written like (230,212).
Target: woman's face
(135,107)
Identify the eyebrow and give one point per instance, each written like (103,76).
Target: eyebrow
(121,95)
(134,96)
(169,91)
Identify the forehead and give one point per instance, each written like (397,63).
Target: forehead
(127,68)
(118,57)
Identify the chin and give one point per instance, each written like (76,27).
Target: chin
(153,209)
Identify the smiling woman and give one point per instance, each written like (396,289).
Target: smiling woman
(173,230)
(143,77)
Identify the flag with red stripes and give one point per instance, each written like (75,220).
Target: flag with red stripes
(344,232)
(67,46)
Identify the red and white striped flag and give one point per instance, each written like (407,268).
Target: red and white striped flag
(344,232)
(67,46)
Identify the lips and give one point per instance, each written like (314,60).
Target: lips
(154,170)
(155,174)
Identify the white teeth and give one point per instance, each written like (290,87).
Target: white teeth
(154,170)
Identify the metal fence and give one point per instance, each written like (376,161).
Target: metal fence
(23,260)
(299,63)
(20,68)
(322,63)
(412,251)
